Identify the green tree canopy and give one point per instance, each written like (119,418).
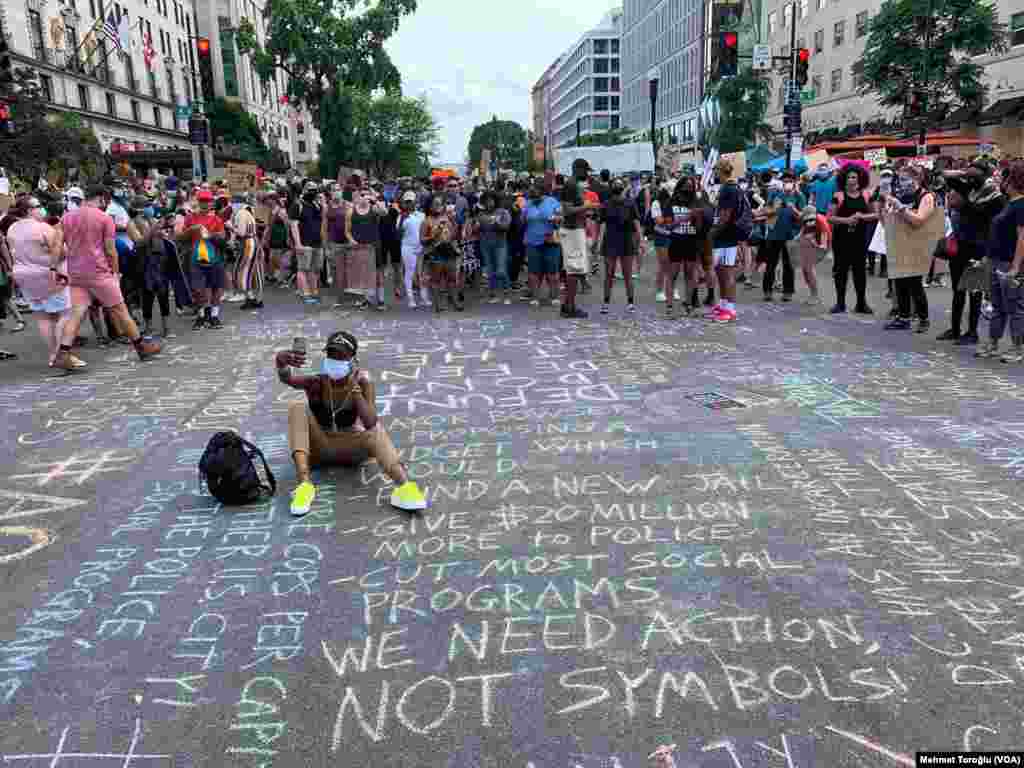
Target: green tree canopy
(929,45)
(234,127)
(742,101)
(506,139)
(388,134)
(326,44)
(604,139)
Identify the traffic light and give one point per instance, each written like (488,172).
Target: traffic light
(205,67)
(728,54)
(803,60)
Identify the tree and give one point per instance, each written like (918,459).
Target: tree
(928,46)
(325,45)
(232,126)
(387,134)
(42,140)
(506,139)
(604,139)
(742,102)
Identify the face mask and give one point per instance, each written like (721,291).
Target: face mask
(336,369)
(309,197)
(743,186)
(149,212)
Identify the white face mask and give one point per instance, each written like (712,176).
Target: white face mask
(336,369)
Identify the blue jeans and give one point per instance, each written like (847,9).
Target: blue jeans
(494,256)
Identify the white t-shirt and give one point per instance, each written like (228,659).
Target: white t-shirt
(410,230)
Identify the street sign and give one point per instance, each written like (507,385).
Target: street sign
(762,58)
(199,130)
(807,96)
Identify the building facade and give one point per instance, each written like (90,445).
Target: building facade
(126,102)
(540,104)
(836,32)
(585,84)
(664,36)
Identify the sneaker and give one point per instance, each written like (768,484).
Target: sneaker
(897,324)
(863,309)
(408,497)
(556,302)
(214,323)
(574,314)
(838,309)
(631,308)
(1014,354)
(713,313)
(750,285)
(987,310)
(922,326)
(787,297)
(604,309)
(199,323)
(507,301)
(234,298)
(412,305)
(726,316)
(949,335)
(534,302)
(812,301)
(967,339)
(18,327)
(988,349)
(302,498)
(257,305)
(380,306)
(669,312)
(493,300)
(767,297)
(659,297)
(676,296)
(68,362)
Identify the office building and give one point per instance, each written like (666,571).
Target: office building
(663,37)
(540,104)
(836,32)
(584,87)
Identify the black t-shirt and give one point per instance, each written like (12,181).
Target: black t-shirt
(309,217)
(846,206)
(618,217)
(571,195)
(1002,243)
(728,200)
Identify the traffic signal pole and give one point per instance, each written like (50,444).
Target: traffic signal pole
(792,83)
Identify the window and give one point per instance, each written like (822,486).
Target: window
(615,65)
(614,103)
(615,119)
(46,86)
(787,16)
(300,128)
(615,47)
(188,24)
(613,84)
(170,86)
(601,46)
(111,105)
(838,33)
(600,85)
(157,121)
(819,41)
(862,24)
(601,65)
(153,90)
(816,85)
(804,9)
(857,76)
(129,73)
(83,96)
(773,22)
(302,147)
(71,38)
(35,32)
(600,103)
(1017,29)
(136,113)
(837,80)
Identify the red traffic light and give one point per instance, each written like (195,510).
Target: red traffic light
(5,112)
(730,39)
(804,54)
(203,46)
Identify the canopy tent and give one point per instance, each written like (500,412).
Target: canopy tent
(779,164)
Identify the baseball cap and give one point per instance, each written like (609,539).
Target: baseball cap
(409,197)
(809,214)
(342,341)
(580,164)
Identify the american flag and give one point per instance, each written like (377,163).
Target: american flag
(110,31)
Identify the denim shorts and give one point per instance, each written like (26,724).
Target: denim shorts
(544,259)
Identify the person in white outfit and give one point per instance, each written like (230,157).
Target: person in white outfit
(409,231)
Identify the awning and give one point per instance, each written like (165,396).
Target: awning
(999,110)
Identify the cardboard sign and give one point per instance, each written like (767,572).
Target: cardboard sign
(739,163)
(876,156)
(241,177)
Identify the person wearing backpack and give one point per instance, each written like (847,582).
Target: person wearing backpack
(734,221)
(338,425)
(849,215)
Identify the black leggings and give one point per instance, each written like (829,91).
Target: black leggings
(910,293)
(957,267)
(771,251)
(850,256)
(163,296)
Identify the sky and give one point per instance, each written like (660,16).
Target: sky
(477,59)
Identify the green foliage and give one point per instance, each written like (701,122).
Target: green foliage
(44,142)
(325,45)
(605,139)
(743,101)
(387,134)
(507,140)
(930,45)
(232,126)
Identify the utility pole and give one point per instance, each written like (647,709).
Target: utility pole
(922,135)
(793,91)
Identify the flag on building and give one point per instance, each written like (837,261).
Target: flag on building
(124,34)
(149,52)
(110,31)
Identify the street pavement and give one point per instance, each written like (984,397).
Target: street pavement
(793,541)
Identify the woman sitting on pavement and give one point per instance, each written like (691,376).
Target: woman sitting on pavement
(339,426)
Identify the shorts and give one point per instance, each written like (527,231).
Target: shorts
(543,259)
(309,258)
(211,278)
(682,250)
(53,304)
(575,256)
(662,241)
(725,257)
(104,288)
(381,255)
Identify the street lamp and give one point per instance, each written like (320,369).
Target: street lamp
(652,80)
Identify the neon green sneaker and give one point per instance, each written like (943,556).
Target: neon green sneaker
(408,497)
(302,498)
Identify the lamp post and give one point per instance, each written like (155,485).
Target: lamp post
(652,80)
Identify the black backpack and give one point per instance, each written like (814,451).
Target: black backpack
(229,472)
